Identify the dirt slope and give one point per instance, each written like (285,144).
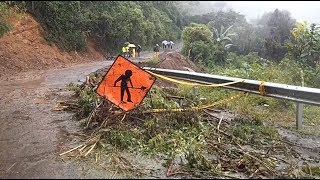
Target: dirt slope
(174,60)
(24,48)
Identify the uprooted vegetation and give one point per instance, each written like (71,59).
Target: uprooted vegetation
(204,143)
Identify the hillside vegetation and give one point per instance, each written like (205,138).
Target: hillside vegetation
(110,23)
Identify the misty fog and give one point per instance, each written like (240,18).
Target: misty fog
(300,10)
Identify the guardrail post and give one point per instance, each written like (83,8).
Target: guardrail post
(299,112)
(299,115)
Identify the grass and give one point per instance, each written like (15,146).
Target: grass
(311,170)
(271,110)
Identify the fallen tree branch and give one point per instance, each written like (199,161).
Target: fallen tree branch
(219,123)
(92,113)
(71,150)
(91,148)
(175,97)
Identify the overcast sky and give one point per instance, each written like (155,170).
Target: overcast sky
(300,10)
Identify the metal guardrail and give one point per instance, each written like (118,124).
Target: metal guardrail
(276,90)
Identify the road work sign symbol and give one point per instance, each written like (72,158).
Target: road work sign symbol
(125,84)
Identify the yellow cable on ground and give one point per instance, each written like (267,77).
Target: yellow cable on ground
(196,108)
(262,89)
(193,84)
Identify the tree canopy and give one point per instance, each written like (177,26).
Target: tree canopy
(109,23)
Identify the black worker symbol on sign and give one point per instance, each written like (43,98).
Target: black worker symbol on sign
(124,84)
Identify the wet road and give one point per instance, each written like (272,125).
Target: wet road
(31,133)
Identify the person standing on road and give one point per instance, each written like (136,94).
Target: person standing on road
(128,52)
(171,44)
(139,49)
(124,50)
(156,51)
(164,44)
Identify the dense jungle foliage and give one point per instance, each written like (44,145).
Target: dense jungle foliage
(110,23)
(273,48)
(212,35)
(4,27)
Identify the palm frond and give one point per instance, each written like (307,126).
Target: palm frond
(227,46)
(227,30)
(226,38)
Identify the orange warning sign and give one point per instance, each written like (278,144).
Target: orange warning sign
(125,84)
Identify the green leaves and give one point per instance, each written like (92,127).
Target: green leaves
(305,48)
(277,26)
(3,12)
(203,46)
(109,23)
(195,32)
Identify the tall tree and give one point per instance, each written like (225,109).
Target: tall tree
(278,25)
(305,46)
(223,42)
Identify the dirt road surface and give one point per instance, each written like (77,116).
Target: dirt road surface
(149,54)
(31,133)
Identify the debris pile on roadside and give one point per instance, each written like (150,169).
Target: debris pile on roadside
(208,143)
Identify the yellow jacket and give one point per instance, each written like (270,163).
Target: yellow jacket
(124,49)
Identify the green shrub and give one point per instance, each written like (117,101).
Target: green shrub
(193,33)
(4,28)
(3,12)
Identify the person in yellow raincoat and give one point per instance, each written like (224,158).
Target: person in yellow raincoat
(127,51)
(124,51)
(134,52)
(156,50)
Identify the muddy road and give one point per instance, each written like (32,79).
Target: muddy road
(32,134)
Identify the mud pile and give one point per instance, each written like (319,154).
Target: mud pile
(24,48)
(174,60)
